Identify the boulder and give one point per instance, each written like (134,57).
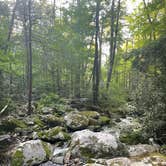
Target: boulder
(52,120)
(54,134)
(85,119)
(87,144)
(141,149)
(76,121)
(31,152)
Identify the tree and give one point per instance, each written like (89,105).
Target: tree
(96,57)
(30,58)
(113,40)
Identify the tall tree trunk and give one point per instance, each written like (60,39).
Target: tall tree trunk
(111,43)
(114,46)
(30,59)
(150,21)
(96,59)
(100,50)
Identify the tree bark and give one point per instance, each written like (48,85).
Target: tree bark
(30,59)
(114,46)
(111,43)
(96,59)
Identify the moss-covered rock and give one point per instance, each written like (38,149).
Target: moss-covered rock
(53,135)
(31,153)
(90,114)
(52,120)
(76,121)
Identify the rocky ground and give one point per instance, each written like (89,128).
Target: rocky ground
(75,135)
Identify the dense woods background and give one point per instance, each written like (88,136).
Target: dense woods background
(86,49)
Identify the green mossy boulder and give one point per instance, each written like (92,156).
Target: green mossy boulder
(76,121)
(31,152)
(52,120)
(53,135)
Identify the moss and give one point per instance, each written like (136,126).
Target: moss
(38,121)
(104,120)
(17,158)
(47,150)
(132,138)
(66,136)
(11,124)
(86,152)
(90,114)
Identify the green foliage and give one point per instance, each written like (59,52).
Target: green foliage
(114,97)
(132,138)
(150,96)
(50,100)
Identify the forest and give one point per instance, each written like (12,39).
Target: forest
(82,82)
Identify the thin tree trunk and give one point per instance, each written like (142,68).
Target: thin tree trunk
(30,59)
(114,46)
(111,43)
(100,50)
(96,59)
